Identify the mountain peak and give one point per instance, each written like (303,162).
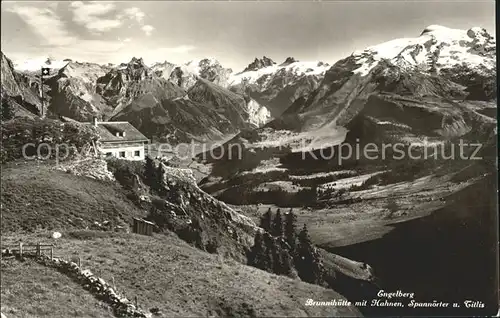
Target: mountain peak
(135,60)
(259,63)
(434,28)
(289,60)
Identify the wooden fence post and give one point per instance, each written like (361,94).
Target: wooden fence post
(135,297)
(51,253)
(38,249)
(20,249)
(79,262)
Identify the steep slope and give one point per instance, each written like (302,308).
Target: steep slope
(73,91)
(206,112)
(186,75)
(278,86)
(126,83)
(19,94)
(163,69)
(238,110)
(175,121)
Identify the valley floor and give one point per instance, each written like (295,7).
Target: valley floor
(369,219)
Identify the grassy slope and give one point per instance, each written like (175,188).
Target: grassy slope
(36,196)
(162,271)
(32,290)
(165,272)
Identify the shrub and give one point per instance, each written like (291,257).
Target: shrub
(22,131)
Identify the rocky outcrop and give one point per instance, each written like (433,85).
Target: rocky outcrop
(163,69)
(223,101)
(73,91)
(19,93)
(259,63)
(186,76)
(289,60)
(176,203)
(95,168)
(278,86)
(133,81)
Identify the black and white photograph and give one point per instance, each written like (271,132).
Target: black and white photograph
(321,158)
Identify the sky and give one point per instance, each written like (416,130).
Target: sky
(233,32)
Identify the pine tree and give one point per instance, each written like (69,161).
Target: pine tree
(286,263)
(7,111)
(290,229)
(256,255)
(277,226)
(276,257)
(149,172)
(268,253)
(158,179)
(308,261)
(265,221)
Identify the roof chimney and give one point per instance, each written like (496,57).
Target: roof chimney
(94,121)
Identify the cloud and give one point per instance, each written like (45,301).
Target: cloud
(134,13)
(90,16)
(177,49)
(175,54)
(127,40)
(148,29)
(46,24)
(57,40)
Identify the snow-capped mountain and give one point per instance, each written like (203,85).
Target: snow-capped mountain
(263,73)
(187,74)
(440,62)
(35,65)
(278,85)
(437,48)
(259,63)
(436,87)
(163,69)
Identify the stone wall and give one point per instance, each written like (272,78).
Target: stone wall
(122,306)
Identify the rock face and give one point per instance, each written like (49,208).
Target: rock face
(208,111)
(73,91)
(95,168)
(129,82)
(19,93)
(175,121)
(226,103)
(257,115)
(185,76)
(278,86)
(289,60)
(259,63)
(163,69)
(177,203)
